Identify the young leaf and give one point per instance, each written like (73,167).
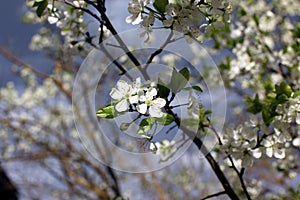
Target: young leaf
(166,119)
(41,6)
(267,115)
(196,88)
(107,112)
(185,73)
(254,105)
(163,91)
(160,5)
(124,126)
(145,126)
(179,79)
(296,94)
(283,88)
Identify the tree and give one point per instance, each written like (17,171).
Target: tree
(158,107)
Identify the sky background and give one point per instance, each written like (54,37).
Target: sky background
(15,36)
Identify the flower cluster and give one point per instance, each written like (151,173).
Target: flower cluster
(240,143)
(251,139)
(69,20)
(144,99)
(260,52)
(181,15)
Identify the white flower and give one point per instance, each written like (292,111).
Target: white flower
(154,105)
(125,93)
(296,142)
(273,149)
(52,19)
(135,8)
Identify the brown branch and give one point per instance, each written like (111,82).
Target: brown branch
(84,10)
(214,195)
(15,60)
(213,163)
(112,29)
(84,183)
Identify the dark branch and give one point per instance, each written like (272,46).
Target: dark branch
(214,195)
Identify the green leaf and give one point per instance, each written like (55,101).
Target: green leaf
(41,6)
(124,126)
(163,91)
(296,94)
(160,5)
(280,99)
(267,116)
(166,119)
(145,126)
(283,88)
(185,73)
(107,112)
(179,79)
(196,88)
(254,105)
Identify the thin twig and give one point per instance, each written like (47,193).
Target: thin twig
(10,56)
(110,27)
(85,10)
(240,175)
(214,195)
(213,163)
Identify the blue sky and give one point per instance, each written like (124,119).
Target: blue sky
(15,36)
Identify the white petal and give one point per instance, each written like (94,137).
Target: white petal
(116,94)
(298,118)
(296,142)
(159,102)
(155,112)
(142,108)
(122,105)
(52,20)
(153,147)
(137,83)
(269,152)
(123,87)
(256,153)
(134,99)
(151,93)
(142,98)
(279,153)
(137,20)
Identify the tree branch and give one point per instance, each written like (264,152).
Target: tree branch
(10,56)
(213,163)
(214,195)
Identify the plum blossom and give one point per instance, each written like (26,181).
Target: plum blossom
(125,93)
(142,97)
(154,104)
(135,8)
(273,148)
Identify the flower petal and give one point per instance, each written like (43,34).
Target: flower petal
(151,93)
(122,105)
(123,87)
(142,108)
(158,102)
(155,112)
(269,152)
(133,99)
(298,118)
(116,94)
(279,153)
(142,98)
